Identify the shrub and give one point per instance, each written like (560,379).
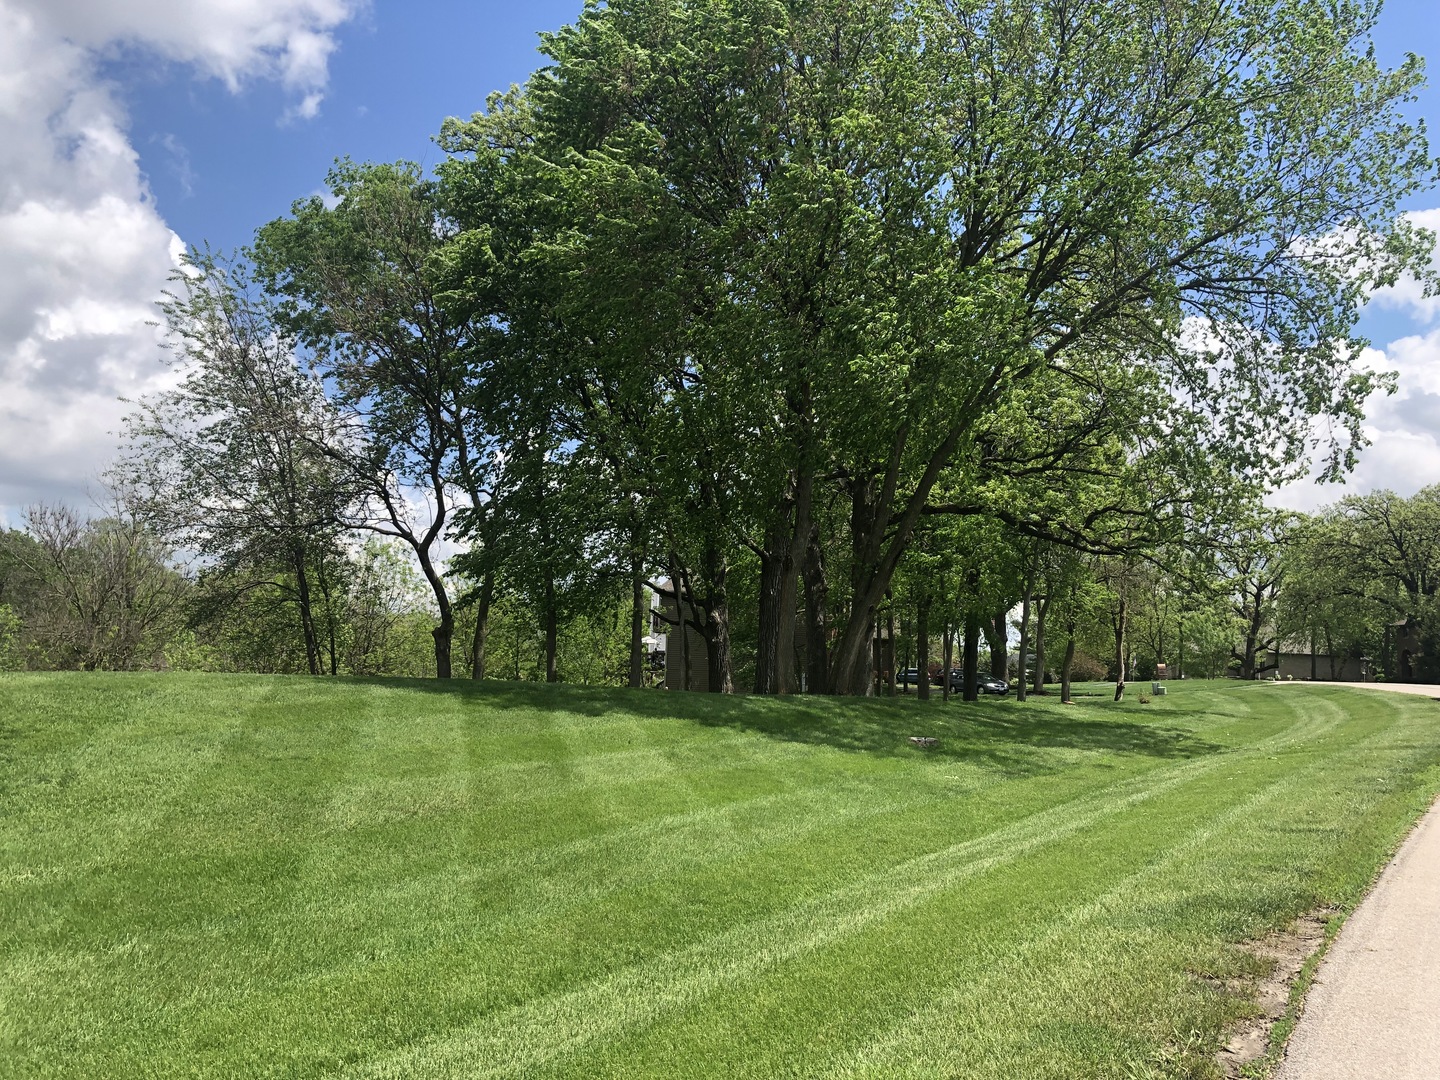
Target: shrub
(1085,668)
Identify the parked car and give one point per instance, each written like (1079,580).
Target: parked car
(907,678)
(989,684)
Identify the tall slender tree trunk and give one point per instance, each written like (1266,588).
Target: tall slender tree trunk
(817,592)
(1021,679)
(717,622)
(1313,659)
(1121,624)
(307,614)
(482,626)
(779,574)
(444,631)
(684,631)
(1067,664)
(947,651)
(1040,644)
(638,614)
(888,652)
(322,579)
(552,632)
(717,649)
(877,661)
(972,656)
(998,639)
(922,648)
(773,561)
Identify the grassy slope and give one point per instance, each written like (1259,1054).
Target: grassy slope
(214,876)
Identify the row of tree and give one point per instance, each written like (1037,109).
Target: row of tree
(105,592)
(814,313)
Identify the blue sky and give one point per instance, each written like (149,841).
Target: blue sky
(399,70)
(131,127)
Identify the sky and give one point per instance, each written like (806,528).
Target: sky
(131,128)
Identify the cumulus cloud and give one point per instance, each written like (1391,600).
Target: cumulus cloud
(1408,295)
(84,253)
(1404,429)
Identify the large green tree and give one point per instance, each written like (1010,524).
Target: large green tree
(357,278)
(850,232)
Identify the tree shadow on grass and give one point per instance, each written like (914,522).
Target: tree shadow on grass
(1002,735)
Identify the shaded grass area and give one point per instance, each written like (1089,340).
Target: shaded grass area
(222,876)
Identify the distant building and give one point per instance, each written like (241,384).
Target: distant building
(1291,661)
(1405,652)
(686,659)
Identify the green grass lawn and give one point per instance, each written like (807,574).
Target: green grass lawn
(233,877)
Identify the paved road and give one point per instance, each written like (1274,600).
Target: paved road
(1423,689)
(1374,1011)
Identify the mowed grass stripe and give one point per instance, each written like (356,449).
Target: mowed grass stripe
(551,1027)
(927,1043)
(372,881)
(727,1045)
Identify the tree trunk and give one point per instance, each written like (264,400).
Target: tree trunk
(922,649)
(638,614)
(1121,618)
(817,591)
(1313,659)
(779,567)
(1021,679)
(972,656)
(947,651)
(307,615)
(880,538)
(717,622)
(889,652)
(774,559)
(552,632)
(1066,665)
(444,631)
(877,662)
(717,647)
(482,626)
(1040,644)
(998,639)
(323,580)
(683,630)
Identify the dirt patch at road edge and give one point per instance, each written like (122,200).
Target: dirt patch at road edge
(1293,954)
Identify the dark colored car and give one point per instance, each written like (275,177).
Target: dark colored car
(908,677)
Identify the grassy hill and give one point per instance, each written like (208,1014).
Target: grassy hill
(234,876)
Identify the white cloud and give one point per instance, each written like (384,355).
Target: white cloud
(1404,430)
(1407,294)
(83,252)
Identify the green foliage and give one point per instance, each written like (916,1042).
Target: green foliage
(11,657)
(592,648)
(759,245)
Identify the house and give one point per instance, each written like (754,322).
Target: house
(1290,660)
(683,647)
(1405,652)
